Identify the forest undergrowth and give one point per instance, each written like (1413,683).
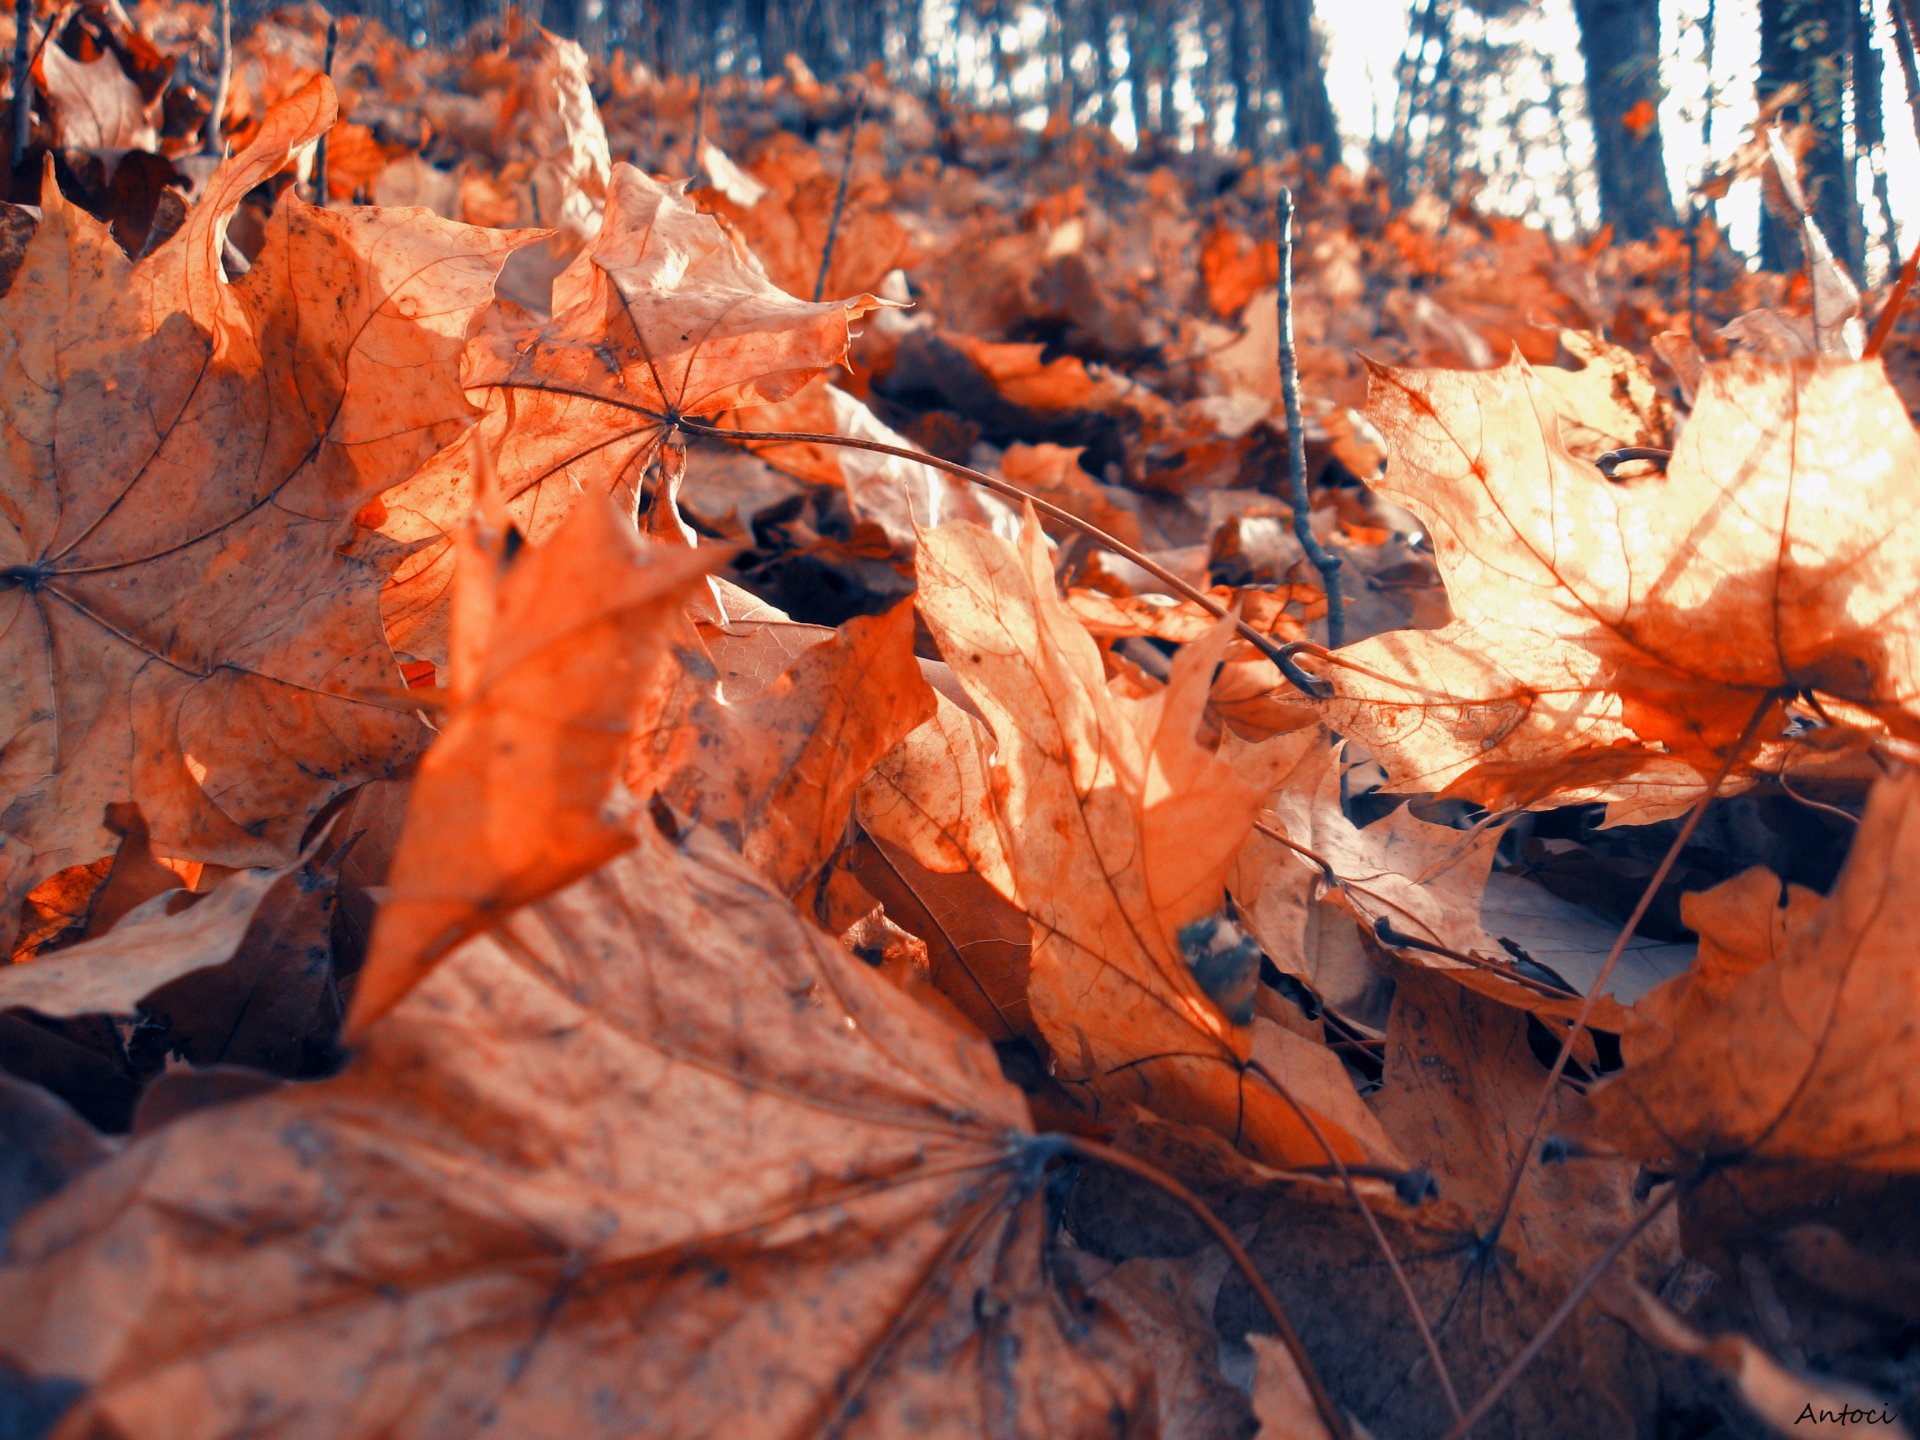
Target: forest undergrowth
(780,759)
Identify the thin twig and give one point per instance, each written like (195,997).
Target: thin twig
(22,79)
(1327,563)
(840,198)
(1312,686)
(698,176)
(1592,997)
(1330,1413)
(1380,1241)
(222,70)
(320,150)
(1896,300)
(1530,1352)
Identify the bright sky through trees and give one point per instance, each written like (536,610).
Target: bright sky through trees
(1365,38)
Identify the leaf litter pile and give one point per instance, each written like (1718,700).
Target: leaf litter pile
(561,882)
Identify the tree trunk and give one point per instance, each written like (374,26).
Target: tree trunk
(1240,62)
(1298,64)
(1137,75)
(1808,43)
(1620,43)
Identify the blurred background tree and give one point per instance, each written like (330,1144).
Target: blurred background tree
(1572,113)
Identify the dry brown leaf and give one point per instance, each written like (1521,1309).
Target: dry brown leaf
(1790,1404)
(1612,640)
(1167,1306)
(1115,826)
(167,937)
(593,1178)
(1744,924)
(660,318)
(979,947)
(194,637)
(521,792)
(43,1145)
(1281,1402)
(1424,880)
(1483,1304)
(274,1007)
(899,496)
(1811,1055)
(1610,402)
(96,105)
(773,763)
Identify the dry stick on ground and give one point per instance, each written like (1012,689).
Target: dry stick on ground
(320,150)
(1281,655)
(840,198)
(1327,563)
(698,177)
(1093,1150)
(222,71)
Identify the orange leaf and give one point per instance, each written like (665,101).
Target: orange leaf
(1612,640)
(592,1179)
(1115,826)
(189,614)
(1810,1055)
(772,762)
(662,317)
(520,794)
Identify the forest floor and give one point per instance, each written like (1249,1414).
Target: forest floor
(934,784)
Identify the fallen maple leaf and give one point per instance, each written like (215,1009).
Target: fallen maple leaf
(1790,1403)
(1810,1055)
(660,319)
(1612,641)
(96,105)
(169,936)
(521,792)
(772,763)
(1112,825)
(190,616)
(590,1179)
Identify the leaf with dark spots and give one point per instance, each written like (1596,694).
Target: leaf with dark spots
(510,1209)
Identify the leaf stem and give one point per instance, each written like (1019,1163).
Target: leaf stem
(1102,1154)
(1281,655)
(1324,560)
(222,71)
(1896,301)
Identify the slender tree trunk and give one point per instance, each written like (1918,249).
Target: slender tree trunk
(1423,23)
(1240,62)
(1806,43)
(1620,43)
(1137,75)
(1101,21)
(1298,64)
